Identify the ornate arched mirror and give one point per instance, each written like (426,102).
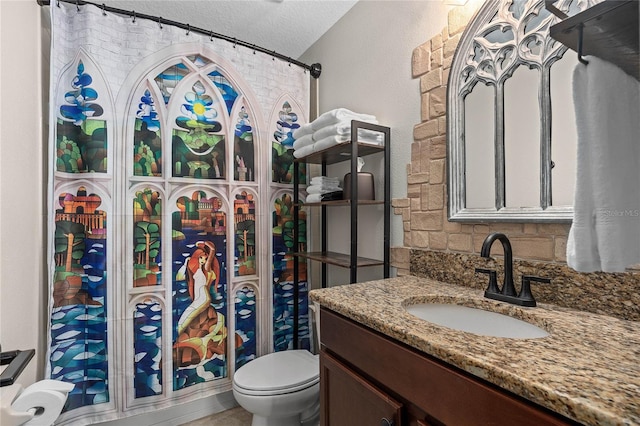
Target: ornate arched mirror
(511,135)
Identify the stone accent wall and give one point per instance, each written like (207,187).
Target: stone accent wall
(429,237)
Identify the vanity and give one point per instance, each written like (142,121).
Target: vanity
(381,365)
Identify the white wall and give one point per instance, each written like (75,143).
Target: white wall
(366,67)
(22,184)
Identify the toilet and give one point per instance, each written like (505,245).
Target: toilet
(281,388)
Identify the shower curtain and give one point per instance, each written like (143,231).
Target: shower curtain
(170,210)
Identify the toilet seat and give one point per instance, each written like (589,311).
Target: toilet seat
(278,373)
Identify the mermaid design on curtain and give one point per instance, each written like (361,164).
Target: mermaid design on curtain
(203,272)
(163,150)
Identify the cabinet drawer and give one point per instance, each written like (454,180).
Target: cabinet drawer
(448,395)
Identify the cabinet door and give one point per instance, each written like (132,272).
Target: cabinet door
(349,400)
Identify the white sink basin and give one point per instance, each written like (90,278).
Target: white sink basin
(476,321)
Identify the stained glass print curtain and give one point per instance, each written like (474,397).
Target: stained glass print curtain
(169,211)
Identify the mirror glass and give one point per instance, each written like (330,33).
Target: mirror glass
(479,130)
(563,173)
(522,138)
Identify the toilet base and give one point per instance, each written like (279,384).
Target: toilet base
(314,420)
(273,421)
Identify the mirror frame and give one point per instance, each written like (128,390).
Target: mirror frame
(466,71)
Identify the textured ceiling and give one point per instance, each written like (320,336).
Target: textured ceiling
(289,27)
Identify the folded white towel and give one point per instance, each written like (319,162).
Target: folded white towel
(324,188)
(344,129)
(341,128)
(303,141)
(317,189)
(314,198)
(338,115)
(329,142)
(304,129)
(304,151)
(332,124)
(319,180)
(605,233)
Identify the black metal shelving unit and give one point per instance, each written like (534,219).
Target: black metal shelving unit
(347,151)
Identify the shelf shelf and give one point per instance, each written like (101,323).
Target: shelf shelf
(338,259)
(17,361)
(339,153)
(341,203)
(610,32)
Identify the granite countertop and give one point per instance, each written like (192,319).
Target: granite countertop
(587,369)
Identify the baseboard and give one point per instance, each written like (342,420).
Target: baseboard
(182,413)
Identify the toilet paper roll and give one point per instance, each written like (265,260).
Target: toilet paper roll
(46,399)
(9,416)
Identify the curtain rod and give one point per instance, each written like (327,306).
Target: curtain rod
(314,69)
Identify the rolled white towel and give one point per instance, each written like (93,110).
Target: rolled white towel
(303,141)
(304,129)
(337,115)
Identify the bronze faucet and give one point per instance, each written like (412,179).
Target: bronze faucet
(508,291)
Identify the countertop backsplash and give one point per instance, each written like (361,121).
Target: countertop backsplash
(616,295)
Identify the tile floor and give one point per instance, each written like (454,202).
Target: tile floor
(234,417)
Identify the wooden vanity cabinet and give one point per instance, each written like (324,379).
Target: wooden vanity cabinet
(369,379)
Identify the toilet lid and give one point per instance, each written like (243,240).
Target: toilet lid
(278,372)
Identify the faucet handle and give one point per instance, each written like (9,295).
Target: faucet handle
(493,280)
(525,291)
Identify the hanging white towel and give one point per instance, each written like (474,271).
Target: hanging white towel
(605,234)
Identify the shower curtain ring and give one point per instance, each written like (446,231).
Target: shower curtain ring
(134,16)
(254,49)
(77,6)
(235,42)
(104,12)
(188,29)
(58,3)
(160,21)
